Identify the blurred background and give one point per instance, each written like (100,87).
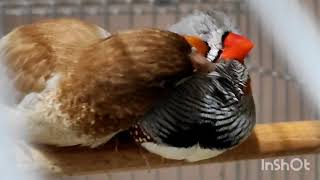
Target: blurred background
(277,94)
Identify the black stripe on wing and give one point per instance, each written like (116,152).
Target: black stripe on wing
(205,109)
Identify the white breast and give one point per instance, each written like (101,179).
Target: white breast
(191,154)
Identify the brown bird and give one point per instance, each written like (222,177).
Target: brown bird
(78,86)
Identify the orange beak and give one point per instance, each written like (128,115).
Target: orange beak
(199,44)
(236,47)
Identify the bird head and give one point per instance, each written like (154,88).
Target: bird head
(213,36)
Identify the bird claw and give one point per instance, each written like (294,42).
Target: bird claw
(148,167)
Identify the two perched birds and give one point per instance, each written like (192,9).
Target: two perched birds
(182,94)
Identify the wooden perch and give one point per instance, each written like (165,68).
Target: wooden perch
(268,140)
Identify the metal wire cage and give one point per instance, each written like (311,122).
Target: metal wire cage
(278,96)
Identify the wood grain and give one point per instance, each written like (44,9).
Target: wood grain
(268,140)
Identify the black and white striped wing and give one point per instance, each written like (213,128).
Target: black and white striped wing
(206,110)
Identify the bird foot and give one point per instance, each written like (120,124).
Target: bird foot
(148,167)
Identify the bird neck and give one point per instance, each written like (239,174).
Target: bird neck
(247,87)
(237,73)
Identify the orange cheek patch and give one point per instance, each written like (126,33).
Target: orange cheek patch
(199,44)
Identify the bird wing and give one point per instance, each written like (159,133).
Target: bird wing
(33,53)
(120,77)
(204,109)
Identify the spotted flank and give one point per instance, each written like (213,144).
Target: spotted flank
(139,135)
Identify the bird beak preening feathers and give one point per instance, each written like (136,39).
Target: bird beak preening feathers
(235,46)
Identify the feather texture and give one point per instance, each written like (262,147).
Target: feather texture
(120,78)
(209,25)
(208,111)
(34,52)
(75,82)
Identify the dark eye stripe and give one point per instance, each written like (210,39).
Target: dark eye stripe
(225,34)
(217,56)
(208,47)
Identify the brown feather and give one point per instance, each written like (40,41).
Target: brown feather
(119,78)
(106,84)
(38,50)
